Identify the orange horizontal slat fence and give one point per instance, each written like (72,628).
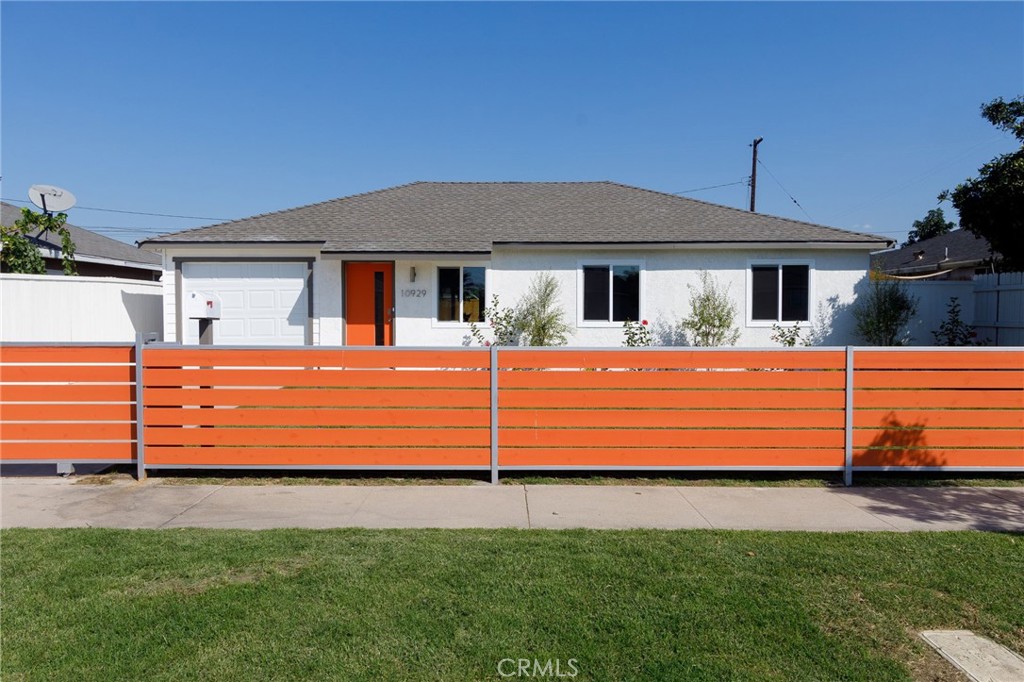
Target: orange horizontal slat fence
(316,408)
(672,408)
(67,403)
(940,409)
(537,408)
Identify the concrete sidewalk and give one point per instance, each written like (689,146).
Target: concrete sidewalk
(61,503)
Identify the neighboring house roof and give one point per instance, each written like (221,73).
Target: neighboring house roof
(89,246)
(470,217)
(956,249)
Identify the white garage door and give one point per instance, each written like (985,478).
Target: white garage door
(262,303)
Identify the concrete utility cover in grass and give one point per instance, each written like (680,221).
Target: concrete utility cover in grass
(981,658)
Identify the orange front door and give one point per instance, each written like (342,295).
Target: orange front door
(369,303)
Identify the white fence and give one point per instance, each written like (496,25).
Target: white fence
(999,308)
(932,307)
(59,308)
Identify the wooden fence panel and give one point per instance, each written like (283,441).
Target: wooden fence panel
(67,403)
(378,408)
(951,408)
(672,408)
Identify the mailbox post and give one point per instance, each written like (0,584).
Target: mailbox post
(204,307)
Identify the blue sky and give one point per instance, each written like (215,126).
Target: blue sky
(223,110)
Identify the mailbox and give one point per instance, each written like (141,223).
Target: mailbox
(203,306)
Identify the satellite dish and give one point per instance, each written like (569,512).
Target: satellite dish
(50,198)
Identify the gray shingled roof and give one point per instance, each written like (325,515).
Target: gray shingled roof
(86,243)
(471,216)
(959,247)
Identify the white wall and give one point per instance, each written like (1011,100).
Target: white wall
(933,306)
(328,322)
(835,278)
(416,302)
(58,308)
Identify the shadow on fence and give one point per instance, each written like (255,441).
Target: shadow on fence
(900,444)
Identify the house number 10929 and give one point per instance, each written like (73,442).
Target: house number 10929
(414,293)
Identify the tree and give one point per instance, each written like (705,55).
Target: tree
(932,225)
(19,254)
(712,314)
(992,205)
(542,318)
(883,315)
(536,320)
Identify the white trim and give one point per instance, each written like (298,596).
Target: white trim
(55,253)
(264,250)
(435,286)
(778,263)
(412,257)
(61,278)
(609,262)
(702,246)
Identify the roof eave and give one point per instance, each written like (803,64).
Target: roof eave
(55,254)
(816,245)
(158,243)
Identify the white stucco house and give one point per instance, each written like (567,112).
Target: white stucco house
(413,265)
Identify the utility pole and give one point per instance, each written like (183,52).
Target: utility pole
(753,174)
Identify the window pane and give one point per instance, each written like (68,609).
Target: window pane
(595,292)
(795,292)
(764,304)
(473,294)
(625,293)
(447,294)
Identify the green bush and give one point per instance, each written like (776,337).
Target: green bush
(712,315)
(883,314)
(536,320)
(953,331)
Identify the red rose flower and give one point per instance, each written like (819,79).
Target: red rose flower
(643,322)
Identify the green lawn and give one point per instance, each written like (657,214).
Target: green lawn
(412,605)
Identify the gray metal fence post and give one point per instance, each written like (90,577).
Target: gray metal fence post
(140,445)
(848,464)
(494,413)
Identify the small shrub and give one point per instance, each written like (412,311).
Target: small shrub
(712,315)
(504,323)
(541,318)
(536,320)
(883,314)
(788,336)
(953,331)
(638,334)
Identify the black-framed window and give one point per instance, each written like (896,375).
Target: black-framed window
(780,293)
(611,293)
(461,294)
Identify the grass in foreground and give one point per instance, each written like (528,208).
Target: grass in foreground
(412,605)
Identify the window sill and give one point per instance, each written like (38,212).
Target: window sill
(459,325)
(600,325)
(768,324)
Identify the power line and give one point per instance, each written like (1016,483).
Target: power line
(116,210)
(115,228)
(701,189)
(761,163)
(915,180)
